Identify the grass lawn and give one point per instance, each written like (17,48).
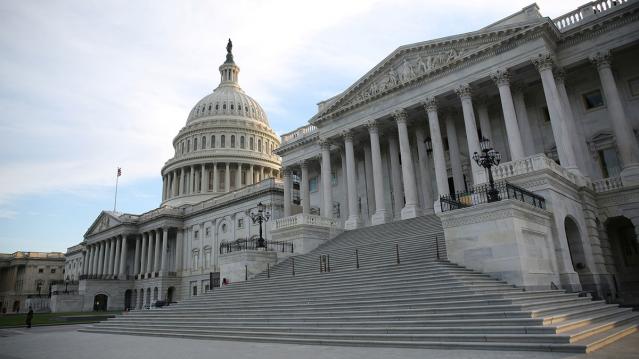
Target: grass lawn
(17,320)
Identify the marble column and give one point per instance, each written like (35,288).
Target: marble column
(249,176)
(484,120)
(144,254)
(353,220)
(157,247)
(204,183)
(98,257)
(136,256)
(262,173)
(287,192)
(525,128)
(165,248)
(238,176)
(396,176)
(117,257)
(93,259)
(123,254)
(344,182)
(179,239)
(305,196)
(380,215)
(424,170)
(439,157)
(193,181)
(327,209)
(465,94)
(624,135)
(411,207)
(100,269)
(89,260)
(149,254)
(216,178)
(563,138)
(454,154)
(502,80)
(227,178)
(171,185)
(368,179)
(108,264)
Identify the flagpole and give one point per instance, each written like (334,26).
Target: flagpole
(117,177)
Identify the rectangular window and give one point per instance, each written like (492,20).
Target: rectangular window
(40,270)
(52,270)
(207,232)
(633,84)
(240,223)
(313,184)
(196,234)
(593,99)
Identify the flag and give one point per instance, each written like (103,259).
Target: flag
(119,171)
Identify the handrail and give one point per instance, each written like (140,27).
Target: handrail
(482,194)
(244,244)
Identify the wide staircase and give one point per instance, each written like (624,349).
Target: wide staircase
(385,286)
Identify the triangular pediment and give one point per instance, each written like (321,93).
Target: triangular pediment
(104,221)
(414,63)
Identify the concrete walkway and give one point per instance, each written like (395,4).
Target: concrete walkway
(64,342)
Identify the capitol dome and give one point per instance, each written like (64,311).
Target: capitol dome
(226,144)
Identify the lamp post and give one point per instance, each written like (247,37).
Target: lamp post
(488,159)
(260,217)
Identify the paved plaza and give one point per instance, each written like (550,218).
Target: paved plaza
(64,342)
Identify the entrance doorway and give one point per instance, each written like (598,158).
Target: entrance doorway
(625,256)
(169,294)
(100,303)
(127,299)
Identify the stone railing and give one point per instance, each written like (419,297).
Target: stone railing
(231,196)
(575,17)
(305,219)
(607,184)
(160,212)
(530,164)
(298,134)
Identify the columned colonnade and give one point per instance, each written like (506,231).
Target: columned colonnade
(404,175)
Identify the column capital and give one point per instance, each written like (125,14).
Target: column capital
(325,144)
(372,126)
(501,77)
(560,75)
(543,61)
(400,115)
(601,59)
(464,91)
(430,104)
(303,164)
(347,135)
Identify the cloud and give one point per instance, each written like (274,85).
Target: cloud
(7,214)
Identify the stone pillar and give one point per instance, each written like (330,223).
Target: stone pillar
(249,176)
(117,257)
(87,262)
(179,239)
(528,137)
(621,126)
(424,170)
(344,182)
(484,120)
(502,80)
(396,176)
(101,258)
(165,248)
(97,257)
(368,179)
(327,210)
(108,263)
(123,253)
(156,247)
(149,254)
(380,215)
(163,187)
(216,178)
(238,176)
(192,181)
(305,196)
(227,178)
(411,208)
(144,254)
(262,173)
(287,192)
(136,256)
(465,94)
(171,185)
(439,158)
(204,179)
(93,259)
(454,154)
(353,220)
(563,138)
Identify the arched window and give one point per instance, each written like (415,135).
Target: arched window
(224,107)
(188,146)
(203,142)
(195,144)
(242,142)
(259,145)
(213,141)
(217,106)
(232,106)
(209,108)
(251,147)
(222,141)
(232,141)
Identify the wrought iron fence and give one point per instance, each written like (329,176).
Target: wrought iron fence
(484,194)
(244,244)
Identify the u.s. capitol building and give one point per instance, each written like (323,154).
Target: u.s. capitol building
(557,98)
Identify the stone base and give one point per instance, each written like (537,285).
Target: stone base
(509,240)
(237,266)
(352,223)
(380,217)
(410,211)
(630,175)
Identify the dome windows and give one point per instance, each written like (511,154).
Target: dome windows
(217,106)
(251,147)
(259,145)
(231,106)
(213,141)
(204,140)
(222,141)
(232,141)
(195,144)
(242,145)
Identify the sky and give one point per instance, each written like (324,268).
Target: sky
(88,86)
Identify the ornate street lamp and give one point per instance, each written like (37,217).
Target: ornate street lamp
(488,159)
(260,217)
